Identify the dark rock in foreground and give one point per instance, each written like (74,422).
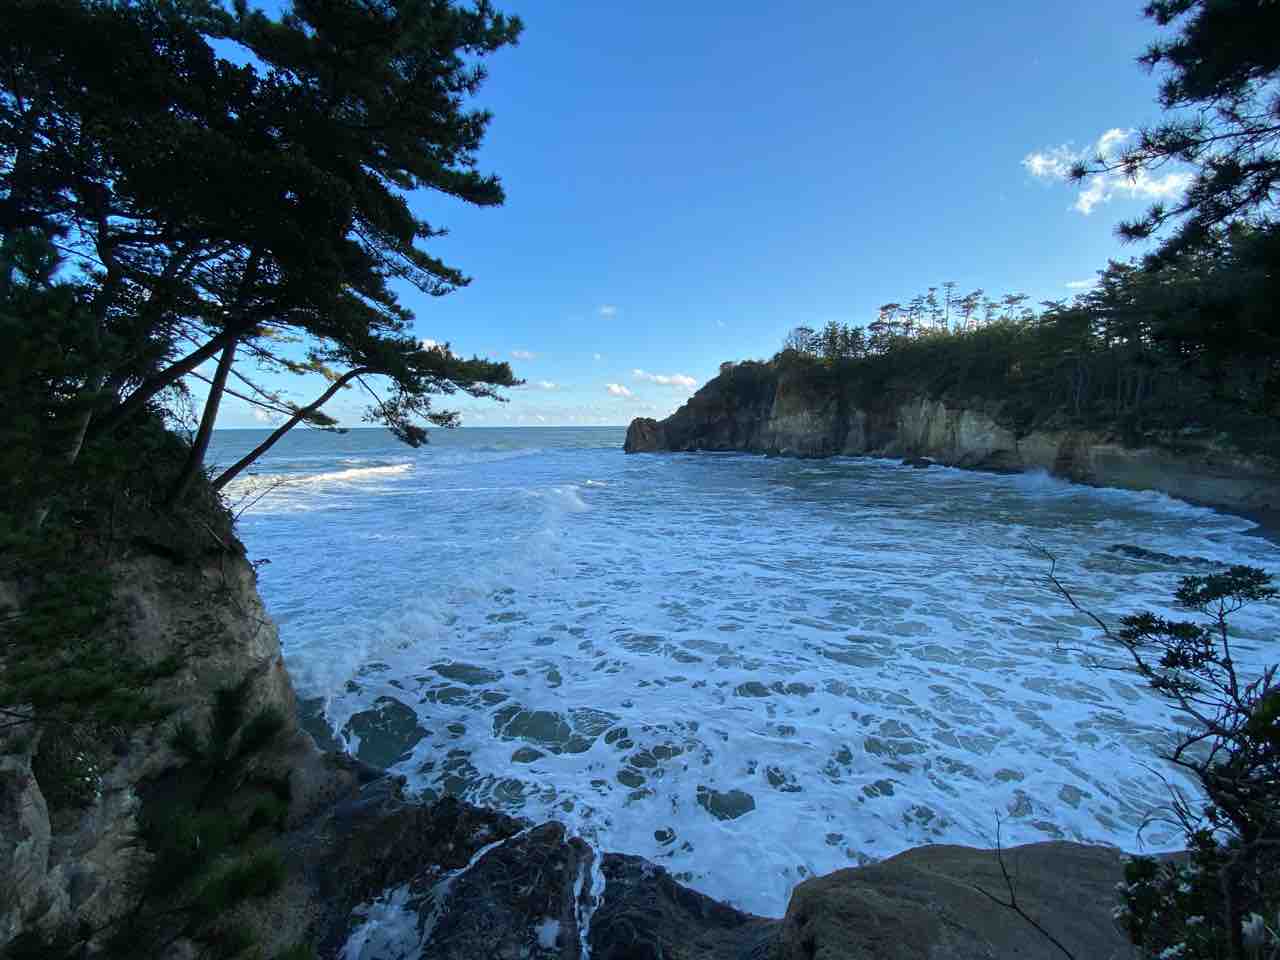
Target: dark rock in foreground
(473,883)
(646,915)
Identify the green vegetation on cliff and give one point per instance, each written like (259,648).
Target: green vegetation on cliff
(1186,337)
(1189,341)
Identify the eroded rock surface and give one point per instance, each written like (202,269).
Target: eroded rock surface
(647,915)
(928,904)
(759,408)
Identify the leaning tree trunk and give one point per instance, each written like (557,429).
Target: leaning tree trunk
(134,403)
(301,414)
(200,446)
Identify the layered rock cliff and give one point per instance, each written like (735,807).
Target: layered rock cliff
(764,408)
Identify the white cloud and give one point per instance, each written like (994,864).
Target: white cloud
(1052,164)
(608,310)
(429,344)
(598,357)
(1080,284)
(665,379)
(1102,188)
(523,354)
(264,416)
(1056,163)
(618,390)
(547,385)
(1109,141)
(1095,193)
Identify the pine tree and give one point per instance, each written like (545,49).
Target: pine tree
(1221,70)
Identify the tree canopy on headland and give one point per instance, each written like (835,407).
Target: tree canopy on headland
(189,182)
(1187,336)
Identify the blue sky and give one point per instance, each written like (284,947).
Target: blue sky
(687,182)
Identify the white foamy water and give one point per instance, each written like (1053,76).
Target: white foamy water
(749,670)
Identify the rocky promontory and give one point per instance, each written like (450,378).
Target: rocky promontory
(804,411)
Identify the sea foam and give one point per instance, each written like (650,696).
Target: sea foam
(749,670)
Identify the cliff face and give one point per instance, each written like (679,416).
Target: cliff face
(757,409)
(76,865)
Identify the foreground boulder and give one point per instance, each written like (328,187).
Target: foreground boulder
(929,904)
(647,915)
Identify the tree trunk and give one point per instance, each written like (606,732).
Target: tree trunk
(157,382)
(195,459)
(93,388)
(230,336)
(234,470)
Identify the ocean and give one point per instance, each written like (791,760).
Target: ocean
(750,670)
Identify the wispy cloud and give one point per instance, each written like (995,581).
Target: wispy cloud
(618,390)
(665,379)
(1052,164)
(597,356)
(1103,187)
(608,310)
(523,354)
(1056,163)
(547,385)
(1080,284)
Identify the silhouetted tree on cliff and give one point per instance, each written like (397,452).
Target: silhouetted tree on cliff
(253,211)
(1220,85)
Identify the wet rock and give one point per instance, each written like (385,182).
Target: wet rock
(456,882)
(727,805)
(372,844)
(926,904)
(521,900)
(646,915)
(388,732)
(1164,559)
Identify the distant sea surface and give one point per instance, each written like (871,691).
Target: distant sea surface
(750,670)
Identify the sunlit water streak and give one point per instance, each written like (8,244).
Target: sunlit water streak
(750,670)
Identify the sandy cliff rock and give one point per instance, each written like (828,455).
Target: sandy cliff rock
(757,409)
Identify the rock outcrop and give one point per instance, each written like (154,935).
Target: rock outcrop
(69,867)
(759,408)
(935,903)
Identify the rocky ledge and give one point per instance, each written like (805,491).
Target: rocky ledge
(760,408)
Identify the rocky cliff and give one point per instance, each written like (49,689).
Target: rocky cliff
(371,873)
(761,408)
